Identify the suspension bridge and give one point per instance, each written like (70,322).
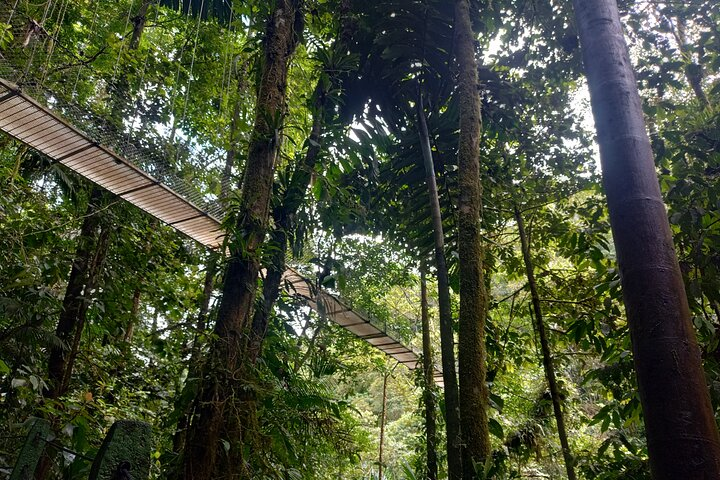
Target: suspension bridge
(128,165)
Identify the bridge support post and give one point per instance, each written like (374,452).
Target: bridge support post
(125,452)
(31,451)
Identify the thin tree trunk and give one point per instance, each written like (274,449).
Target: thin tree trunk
(78,296)
(235,309)
(429,371)
(473,297)
(693,71)
(382,426)
(682,436)
(545,348)
(447,336)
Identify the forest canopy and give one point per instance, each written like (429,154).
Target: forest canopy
(468,240)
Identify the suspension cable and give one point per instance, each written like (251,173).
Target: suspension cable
(177,80)
(53,41)
(122,45)
(93,24)
(12,12)
(141,81)
(192,66)
(38,28)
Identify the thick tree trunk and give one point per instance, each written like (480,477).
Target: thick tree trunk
(235,309)
(429,374)
(473,297)
(447,335)
(682,437)
(284,215)
(545,347)
(211,270)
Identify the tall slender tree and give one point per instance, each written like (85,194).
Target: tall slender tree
(545,345)
(473,297)
(682,436)
(447,333)
(428,375)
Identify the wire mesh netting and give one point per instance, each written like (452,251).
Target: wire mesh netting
(37,59)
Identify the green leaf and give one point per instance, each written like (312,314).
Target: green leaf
(496,429)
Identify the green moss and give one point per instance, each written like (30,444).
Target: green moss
(32,450)
(128,441)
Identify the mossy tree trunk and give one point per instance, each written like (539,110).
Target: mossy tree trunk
(473,297)
(218,389)
(292,198)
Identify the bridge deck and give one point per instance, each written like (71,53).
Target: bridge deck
(36,126)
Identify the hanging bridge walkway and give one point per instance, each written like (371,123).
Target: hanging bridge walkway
(141,174)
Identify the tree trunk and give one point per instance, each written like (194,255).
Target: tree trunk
(545,348)
(447,336)
(139,24)
(682,437)
(235,309)
(284,215)
(693,71)
(382,426)
(78,296)
(473,297)
(429,374)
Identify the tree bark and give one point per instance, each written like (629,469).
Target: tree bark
(682,437)
(473,297)
(447,335)
(283,217)
(235,309)
(545,348)
(429,371)
(285,213)
(139,21)
(84,275)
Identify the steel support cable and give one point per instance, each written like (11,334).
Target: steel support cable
(122,45)
(51,51)
(93,24)
(34,27)
(192,67)
(12,12)
(141,81)
(225,90)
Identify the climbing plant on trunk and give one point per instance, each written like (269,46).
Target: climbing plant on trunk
(473,297)
(235,310)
